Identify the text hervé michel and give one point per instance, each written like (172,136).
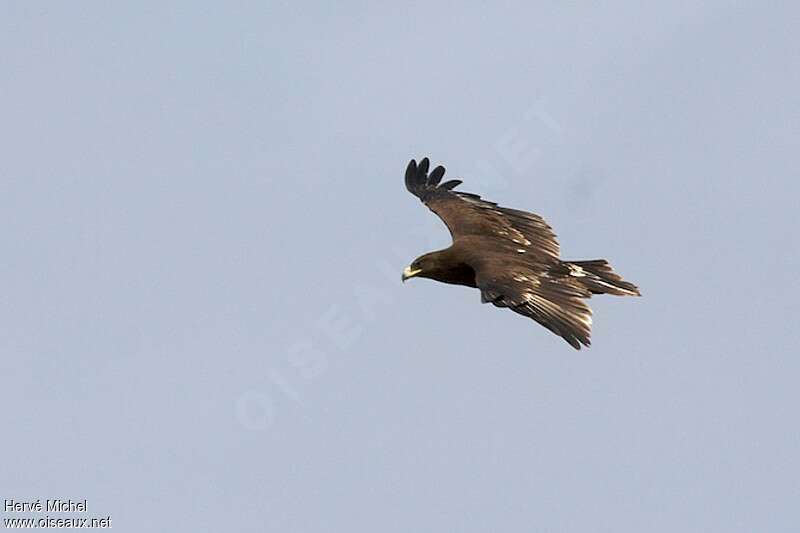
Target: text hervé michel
(50,506)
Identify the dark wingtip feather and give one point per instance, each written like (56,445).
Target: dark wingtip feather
(412,166)
(436,175)
(424,165)
(452,184)
(411,171)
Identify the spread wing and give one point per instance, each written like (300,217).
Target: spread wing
(466,214)
(554,302)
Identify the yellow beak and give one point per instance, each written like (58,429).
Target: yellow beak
(408,273)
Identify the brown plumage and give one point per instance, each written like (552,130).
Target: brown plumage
(511,256)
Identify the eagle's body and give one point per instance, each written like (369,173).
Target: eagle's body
(511,256)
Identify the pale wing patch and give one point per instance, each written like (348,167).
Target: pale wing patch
(576,271)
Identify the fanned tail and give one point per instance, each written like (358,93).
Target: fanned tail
(598,276)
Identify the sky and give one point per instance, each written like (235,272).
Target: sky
(203,224)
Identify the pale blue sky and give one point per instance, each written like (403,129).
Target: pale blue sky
(203,228)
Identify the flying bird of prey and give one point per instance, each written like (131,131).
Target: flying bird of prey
(511,256)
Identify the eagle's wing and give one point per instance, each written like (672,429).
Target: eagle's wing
(554,302)
(466,214)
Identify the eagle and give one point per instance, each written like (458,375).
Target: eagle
(511,256)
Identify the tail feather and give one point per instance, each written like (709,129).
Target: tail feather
(598,276)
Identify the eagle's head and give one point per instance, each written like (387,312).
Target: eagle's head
(443,265)
(422,267)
